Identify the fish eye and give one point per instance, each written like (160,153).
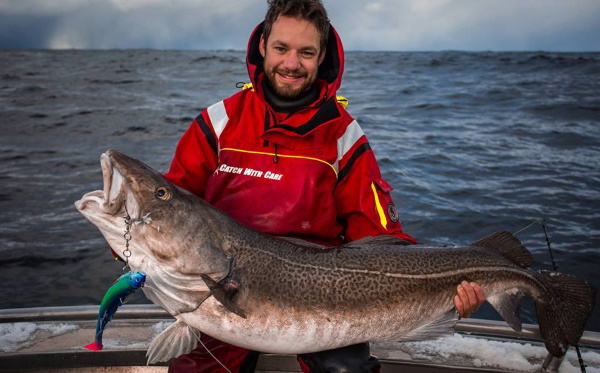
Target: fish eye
(163,193)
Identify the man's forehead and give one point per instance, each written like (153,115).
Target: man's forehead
(291,30)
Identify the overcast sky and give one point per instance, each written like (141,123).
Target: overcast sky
(404,25)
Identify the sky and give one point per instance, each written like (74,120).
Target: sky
(387,25)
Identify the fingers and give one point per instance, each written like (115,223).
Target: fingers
(480,295)
(462,301)
(460,307)
(469,297)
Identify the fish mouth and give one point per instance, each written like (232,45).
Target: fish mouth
(112,199)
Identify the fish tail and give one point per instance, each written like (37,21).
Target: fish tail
(94,346)
(563,310)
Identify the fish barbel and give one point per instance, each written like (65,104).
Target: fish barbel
(285,296)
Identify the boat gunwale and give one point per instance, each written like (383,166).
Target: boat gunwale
(471,326)
(140,314)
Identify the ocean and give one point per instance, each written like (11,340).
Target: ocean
(472,143)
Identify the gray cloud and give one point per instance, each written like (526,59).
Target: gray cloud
(25,31)
(366,25)
(471,24)
(182,24)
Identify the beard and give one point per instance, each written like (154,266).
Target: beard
(288,90)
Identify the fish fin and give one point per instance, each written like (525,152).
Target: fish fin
(441,327)
(94,346)
(508,305)
(178,339)
(508,245)
(223,295)
(563,311)
(383,240)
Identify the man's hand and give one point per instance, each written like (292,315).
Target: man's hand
(469,297)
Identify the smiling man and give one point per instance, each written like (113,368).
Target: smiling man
(284,157)
(292,56)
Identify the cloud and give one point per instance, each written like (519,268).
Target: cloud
(363,24)
(134,4)
(103,24)
(374,7)
(471,24)
(39,7)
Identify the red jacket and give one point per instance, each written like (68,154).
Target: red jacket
(310,174)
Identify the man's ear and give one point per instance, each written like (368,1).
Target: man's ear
(261,46)
(322,56)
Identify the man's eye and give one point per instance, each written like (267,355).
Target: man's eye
(280,49)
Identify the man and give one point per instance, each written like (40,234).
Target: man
(285,158)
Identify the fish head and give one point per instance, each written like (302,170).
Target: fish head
(147,219)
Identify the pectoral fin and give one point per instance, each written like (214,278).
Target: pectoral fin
(176,340)
(223,291)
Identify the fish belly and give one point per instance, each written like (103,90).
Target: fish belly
(272,329)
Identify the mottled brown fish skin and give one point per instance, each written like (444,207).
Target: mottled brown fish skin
(413,282)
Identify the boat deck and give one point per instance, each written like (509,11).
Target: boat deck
(52,340)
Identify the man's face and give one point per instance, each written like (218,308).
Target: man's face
(292,55)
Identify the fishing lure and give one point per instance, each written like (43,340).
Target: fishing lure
(112,300)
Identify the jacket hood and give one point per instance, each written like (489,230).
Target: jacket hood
(330,70)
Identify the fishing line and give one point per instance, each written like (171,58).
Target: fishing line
(548,242)
(529,226)
(207,350)
(145,286)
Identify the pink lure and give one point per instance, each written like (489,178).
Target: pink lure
(95,346)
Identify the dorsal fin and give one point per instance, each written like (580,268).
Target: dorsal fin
(508,245)
(383,240)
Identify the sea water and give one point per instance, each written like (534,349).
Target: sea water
(472,143)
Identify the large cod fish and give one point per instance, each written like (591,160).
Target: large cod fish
(269,294)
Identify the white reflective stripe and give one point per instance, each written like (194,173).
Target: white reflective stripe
(347,141)
(218,118)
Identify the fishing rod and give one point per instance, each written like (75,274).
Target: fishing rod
(555,267)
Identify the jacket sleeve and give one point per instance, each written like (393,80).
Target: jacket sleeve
(362,196)
(195,156)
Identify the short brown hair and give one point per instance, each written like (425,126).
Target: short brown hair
(309,10)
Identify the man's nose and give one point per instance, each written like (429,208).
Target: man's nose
(292,61)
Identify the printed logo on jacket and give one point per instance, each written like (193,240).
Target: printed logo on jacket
(247,171)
